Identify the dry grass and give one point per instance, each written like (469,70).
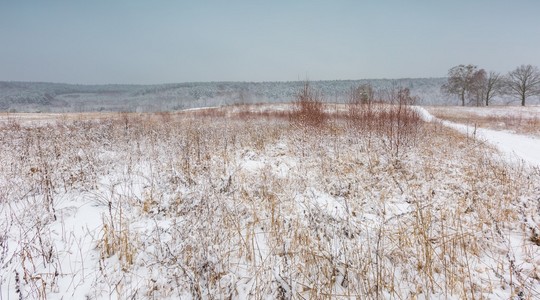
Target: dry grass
(365,202)
(522,120)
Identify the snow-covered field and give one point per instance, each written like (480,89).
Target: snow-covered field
(513,119)
(518,148)
(224,204)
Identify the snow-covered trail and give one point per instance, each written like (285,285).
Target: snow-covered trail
(516,147)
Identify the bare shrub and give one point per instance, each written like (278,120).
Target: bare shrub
(309,107)
(392,119)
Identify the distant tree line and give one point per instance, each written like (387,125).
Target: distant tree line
(477,86)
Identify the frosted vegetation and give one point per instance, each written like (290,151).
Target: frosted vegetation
(310,200)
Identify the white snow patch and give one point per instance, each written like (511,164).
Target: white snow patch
(515,146)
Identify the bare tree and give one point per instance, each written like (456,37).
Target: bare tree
(484,86)
(462,82)
(405,97)
(491,86)
(524,82)
(477,85)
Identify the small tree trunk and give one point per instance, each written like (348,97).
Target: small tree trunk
(522,100)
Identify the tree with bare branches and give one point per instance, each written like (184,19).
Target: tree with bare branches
(477,86)
(485,86)
(462,82)
(491,86)
(524,82)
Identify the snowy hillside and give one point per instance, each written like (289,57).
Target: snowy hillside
(52,97)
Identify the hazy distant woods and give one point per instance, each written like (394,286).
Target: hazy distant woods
(53,97)
(465,85)
(479,87)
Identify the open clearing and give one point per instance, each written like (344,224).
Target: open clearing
(514,119)
(253,202)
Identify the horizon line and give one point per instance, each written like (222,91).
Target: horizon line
(214,81)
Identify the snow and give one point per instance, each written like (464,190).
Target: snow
(517,148)
(266,210)
(524,112)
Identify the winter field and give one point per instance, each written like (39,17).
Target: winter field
(269,202)
(514,119)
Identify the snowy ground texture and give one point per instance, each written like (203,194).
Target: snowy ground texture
(217,204)
(524,120)
(518,148)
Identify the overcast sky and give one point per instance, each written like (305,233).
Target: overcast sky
(183,41)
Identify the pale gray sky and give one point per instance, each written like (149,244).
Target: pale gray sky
(177,41)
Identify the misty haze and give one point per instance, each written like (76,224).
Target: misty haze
(269,150)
